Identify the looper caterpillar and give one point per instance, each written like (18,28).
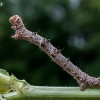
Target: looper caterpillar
(44,44)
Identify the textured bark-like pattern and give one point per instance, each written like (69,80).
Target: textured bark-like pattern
(82,78)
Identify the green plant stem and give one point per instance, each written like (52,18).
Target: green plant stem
(24,91)
(54,93)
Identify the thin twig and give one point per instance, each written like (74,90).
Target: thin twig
(82,78)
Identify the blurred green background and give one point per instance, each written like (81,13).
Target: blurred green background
(73,27)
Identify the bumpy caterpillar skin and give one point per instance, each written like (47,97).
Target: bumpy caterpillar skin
(21,32)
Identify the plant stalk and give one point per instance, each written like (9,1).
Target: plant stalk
(21,90)
(54,93)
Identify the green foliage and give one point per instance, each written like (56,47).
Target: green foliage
(10,83)
(72,26)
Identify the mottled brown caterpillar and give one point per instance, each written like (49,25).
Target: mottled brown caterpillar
(82,78)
